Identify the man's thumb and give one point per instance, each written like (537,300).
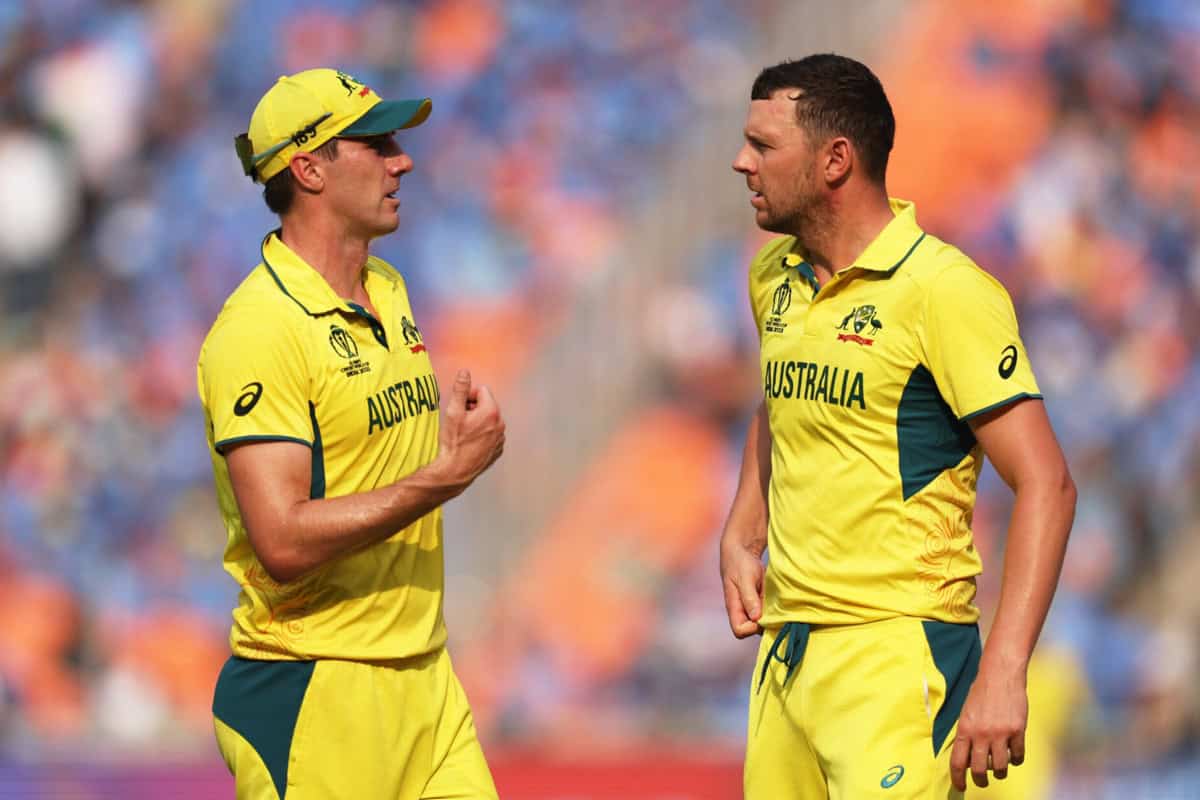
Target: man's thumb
(462,387)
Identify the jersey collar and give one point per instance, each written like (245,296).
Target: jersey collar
(305,286)
(896,242)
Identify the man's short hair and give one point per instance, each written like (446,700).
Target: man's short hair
(837,96)
(280,189)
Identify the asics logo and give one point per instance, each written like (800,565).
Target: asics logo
(893,776)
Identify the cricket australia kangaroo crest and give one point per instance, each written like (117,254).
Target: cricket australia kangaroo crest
(860,318)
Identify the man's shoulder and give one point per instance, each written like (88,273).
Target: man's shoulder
(935,261)
(257,309)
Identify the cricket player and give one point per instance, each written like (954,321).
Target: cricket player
(891,365)
(331,468)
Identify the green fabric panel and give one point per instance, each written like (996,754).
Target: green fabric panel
(221,445)
(928,435)
(1004,402)
(316,488)
(261,701)
(956,650)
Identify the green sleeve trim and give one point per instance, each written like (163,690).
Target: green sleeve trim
(994,406)
(219,446)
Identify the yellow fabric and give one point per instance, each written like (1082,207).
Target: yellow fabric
(371,731)
(855,719)
(845,544)
(300,364)
(252,781)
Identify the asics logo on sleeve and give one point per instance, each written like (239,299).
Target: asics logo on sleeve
(893,776)
(1008,362)
(248,399)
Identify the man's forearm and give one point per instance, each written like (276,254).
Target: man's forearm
(1037,540)
(746,527)
(324,529)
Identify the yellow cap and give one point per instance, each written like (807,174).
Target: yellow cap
(305,110)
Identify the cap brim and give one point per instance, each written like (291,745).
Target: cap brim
(389,115)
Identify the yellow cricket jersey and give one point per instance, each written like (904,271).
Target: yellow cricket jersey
(869,381)
(287,359)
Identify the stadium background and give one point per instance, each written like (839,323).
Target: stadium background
(574,234)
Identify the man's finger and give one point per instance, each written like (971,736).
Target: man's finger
(751,601)
(734,607)
(999,758)
(1016,747)
(483,397)
(980,761)
(959,756)
(741,625)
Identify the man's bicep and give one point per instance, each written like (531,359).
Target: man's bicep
(1018,440)
(269,479)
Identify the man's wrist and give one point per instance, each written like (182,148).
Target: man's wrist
(1004,660)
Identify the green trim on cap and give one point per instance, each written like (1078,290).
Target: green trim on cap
(389,115)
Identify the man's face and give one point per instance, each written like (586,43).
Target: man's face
(363,181)
(779,163)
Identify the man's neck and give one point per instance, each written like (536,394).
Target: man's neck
(849,227)
(338,257)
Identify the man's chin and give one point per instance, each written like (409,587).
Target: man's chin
(386,227)
(771,224)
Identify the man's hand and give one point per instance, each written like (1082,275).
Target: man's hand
(471,436)
(742,577)
(991,728)
(745,536)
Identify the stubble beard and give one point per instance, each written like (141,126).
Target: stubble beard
(808,215)
(807,218)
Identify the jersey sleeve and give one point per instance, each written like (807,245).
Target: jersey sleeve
(971,343)
(253,381)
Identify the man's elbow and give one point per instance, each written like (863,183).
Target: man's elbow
(1067,492)
(281,562)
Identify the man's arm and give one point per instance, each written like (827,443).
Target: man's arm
(1021,445)
(745,536)
(292,534)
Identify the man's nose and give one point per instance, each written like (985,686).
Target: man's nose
(742,162)
(401,164)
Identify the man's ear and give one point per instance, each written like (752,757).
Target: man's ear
(307,171)
(839,160)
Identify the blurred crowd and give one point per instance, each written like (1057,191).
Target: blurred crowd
(1062,156)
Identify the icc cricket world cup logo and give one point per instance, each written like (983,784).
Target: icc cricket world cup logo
(781,301)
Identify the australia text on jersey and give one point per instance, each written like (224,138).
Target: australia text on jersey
(402,400)
(811,381)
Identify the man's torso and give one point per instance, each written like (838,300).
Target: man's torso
(288,360)
(873,470)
